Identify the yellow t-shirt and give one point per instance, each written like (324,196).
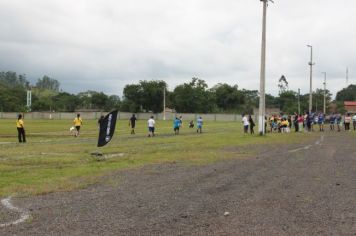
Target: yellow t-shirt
(285,122)
(20,123)
(77,121)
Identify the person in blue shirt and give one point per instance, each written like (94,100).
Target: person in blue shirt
(332,121)
(309,121)
(176,125)
(321,122)
(199,125)
(338,119)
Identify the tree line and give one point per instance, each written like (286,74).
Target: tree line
(193,96)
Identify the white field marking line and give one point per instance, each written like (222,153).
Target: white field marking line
(24,215)
(318,142)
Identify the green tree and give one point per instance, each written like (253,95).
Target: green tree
(251,101)
(147,95)
(288,102)
(271,101)
(11,80)
(48,83)
(99,100)
(193,97)
(133,96)
(228,98)
(113,102)
(66,102)
(318,100)
(282,84)
(347,94)
(12,99)
(152,95)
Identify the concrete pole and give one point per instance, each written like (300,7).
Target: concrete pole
(311,79)
(164,103)
(298,101)
(261,110)
(324,110)
(347,77)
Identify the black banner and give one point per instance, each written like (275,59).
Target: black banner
(107,128)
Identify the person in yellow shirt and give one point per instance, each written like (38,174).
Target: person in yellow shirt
(20,129)
(77,123)
(284,125)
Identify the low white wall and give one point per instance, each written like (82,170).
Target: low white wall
(122,116)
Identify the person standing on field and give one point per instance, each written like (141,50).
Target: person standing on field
(176,125)
(181,121)
(20,129)
(354,121)
(300,122)
(245,123)
(252,124)
(332,121)
(132,122)
(338,121)
(199,125)
(347,121)
(100,120)
(77,124)
(151,127)
(321,119)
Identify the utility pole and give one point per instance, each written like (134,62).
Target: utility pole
(164,102)
(29,99)
(347,77)
(311,79)
(324,110)
(299,101)
(262,103)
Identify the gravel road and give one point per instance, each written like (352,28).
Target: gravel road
(287,190)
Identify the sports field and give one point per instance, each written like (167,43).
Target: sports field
(53,160)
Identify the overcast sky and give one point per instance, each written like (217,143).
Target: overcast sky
(103,45)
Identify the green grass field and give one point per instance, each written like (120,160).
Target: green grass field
(54,160)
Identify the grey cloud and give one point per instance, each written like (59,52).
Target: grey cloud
(105,45)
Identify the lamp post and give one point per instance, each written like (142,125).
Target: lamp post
(347,77)
(262,103)
(324,110)
(164,102)
(311,79)
(299,101)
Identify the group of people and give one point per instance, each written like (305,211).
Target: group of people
(177,125)
(312,122)
(248,123)
(277,123)
(150,124)
(308,122)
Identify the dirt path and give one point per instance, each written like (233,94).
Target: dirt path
(281,191)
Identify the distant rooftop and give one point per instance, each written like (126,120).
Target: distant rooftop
(350,103)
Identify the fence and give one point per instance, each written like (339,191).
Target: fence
(121,116)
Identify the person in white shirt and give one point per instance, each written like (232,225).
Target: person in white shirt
(354,122)
(347,121)
(151,127)
(245,122)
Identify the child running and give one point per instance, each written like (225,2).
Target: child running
(151,127)
(77,123)
(176,125)
(199,125)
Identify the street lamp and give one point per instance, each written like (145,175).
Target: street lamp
(164,103)
(324,111)
(299,101)
(311,78)
(262,103)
